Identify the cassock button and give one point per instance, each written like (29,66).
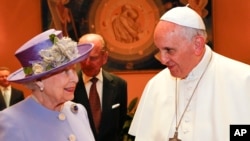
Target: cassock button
(185,131)
(72,137)
(187,119)
(61,116)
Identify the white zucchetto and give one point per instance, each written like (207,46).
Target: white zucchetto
(184,16)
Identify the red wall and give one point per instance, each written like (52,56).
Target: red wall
(231,20)
(19,21)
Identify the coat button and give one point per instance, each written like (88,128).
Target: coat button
(72,137)
(61,116)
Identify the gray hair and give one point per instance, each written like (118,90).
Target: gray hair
(190,33)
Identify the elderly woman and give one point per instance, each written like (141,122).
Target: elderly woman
(48,70)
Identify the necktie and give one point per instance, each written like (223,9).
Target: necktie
(95,104)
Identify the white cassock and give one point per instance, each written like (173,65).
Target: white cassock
(221,99)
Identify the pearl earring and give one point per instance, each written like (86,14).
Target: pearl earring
(41,89)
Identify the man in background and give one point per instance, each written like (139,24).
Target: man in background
(9,95)
(112,92)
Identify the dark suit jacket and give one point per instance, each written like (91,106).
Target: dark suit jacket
(114,92)
(16,96)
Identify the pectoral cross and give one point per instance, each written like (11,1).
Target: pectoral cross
(175,138)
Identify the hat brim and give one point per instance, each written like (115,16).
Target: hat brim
(20,77)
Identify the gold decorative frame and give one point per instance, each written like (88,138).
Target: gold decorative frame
(126,25)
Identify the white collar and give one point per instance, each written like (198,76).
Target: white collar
(86,78)
(5,88)
(199,69)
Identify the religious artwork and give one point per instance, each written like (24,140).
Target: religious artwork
(127,26)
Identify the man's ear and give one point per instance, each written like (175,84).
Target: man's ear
(199,43)
(105,57)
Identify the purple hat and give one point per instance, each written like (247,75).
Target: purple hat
(47,53)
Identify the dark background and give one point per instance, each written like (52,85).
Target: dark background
(80,12)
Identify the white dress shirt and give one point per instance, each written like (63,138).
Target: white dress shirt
(99,84)
(6,94)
